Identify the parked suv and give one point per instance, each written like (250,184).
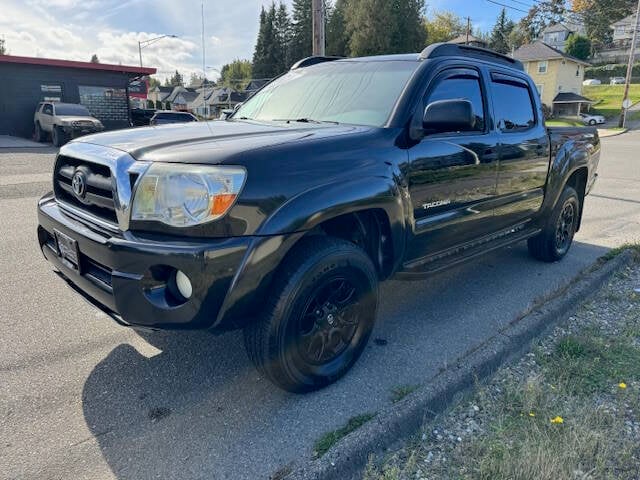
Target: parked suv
(340,174)
(63,121)
(164,117)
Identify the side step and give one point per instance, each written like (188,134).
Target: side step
(440,261)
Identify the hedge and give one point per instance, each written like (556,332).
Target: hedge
(604,74)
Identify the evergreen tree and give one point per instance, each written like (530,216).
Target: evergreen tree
(266,61)
(94,58)
(3,47)
(176,80)
(301,31)
(282,26)
(337,38)
(578,46)
(385,26)
(500,34)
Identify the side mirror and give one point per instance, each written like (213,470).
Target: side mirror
(448,116)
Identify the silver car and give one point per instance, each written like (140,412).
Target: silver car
(591,119)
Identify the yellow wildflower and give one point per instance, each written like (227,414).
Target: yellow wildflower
(557,419)
(531,414)
(622,385)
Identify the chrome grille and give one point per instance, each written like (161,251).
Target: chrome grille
(97,198)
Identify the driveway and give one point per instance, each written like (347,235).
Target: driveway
(83,398)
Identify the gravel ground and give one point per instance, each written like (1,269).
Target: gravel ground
(577,407)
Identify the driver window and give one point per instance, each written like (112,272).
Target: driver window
(461,87)
(48,109)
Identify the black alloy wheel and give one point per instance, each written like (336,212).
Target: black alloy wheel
(319,315)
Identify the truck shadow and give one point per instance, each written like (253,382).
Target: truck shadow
(198,409)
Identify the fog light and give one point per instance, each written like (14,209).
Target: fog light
(184,284)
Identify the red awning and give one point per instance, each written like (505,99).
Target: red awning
(51,62)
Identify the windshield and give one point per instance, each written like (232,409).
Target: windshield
(361,93)
(72,109)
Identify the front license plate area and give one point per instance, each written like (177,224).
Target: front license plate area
(68,250)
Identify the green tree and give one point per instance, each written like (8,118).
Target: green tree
(578,46)
(499,40)
(236,74)
(175,80)
(153,82)
(94,58)
(301,31)
(282,31)
(337,38)
(598,15)
(266,62)
(541,15)
(385,26)
(518,37)
(442,26)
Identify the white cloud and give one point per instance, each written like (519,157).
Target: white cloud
(76,29)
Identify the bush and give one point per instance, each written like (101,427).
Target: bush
(604,75)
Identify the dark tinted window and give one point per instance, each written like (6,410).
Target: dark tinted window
(72,109)
(47,109)
(513,106)
(461,87)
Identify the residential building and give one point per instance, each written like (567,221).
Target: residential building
(556,35)
(472,40)
(558,77)
(158,95)
(619,49)
(103,88)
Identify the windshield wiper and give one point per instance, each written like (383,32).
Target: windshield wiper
(303,120)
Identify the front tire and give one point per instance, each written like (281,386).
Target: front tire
(318,316)
(592,122)
(57,136)
(553,243)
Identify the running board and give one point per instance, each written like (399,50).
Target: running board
(462,253)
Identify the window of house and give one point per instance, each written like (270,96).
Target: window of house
(540,88)
(578,71)
(514,111)
(461,87)
(542,67)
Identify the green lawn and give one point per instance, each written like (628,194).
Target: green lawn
(563,122)
(609,98)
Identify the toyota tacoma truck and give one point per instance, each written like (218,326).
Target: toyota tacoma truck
(284,218)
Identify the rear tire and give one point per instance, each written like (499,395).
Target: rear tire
(318,316)
(555,240)
(40,136)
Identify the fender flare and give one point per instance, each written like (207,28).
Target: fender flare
(319,204)
(568,159)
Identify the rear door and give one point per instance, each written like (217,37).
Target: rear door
(452,178)
(523,145)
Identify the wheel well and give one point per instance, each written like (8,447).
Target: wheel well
(578,181)
(369,229)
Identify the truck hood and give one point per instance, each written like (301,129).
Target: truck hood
(74,118)
(209,142)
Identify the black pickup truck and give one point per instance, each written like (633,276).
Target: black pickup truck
(284,218)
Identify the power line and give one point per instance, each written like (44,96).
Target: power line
(507,6)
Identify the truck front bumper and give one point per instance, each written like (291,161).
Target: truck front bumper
(132,279)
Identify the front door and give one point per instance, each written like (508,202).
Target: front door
(524,149)
(452,177)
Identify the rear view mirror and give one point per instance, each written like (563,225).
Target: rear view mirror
(448,116)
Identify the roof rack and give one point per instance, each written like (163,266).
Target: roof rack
(313,60)
(452,49)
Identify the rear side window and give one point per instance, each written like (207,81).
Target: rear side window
(462,86)
(513,105)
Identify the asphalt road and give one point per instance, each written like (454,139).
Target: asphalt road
(83,398)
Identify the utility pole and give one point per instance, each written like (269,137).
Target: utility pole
(625,97)
(318,26)
(468,30)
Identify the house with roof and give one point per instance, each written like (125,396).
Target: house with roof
(558,77)
(556,35)
(472,40)
(158,95)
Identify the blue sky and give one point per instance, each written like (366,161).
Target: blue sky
(76,29)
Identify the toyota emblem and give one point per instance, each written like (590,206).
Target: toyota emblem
(79,184)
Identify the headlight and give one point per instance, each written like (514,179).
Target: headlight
(186,195)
